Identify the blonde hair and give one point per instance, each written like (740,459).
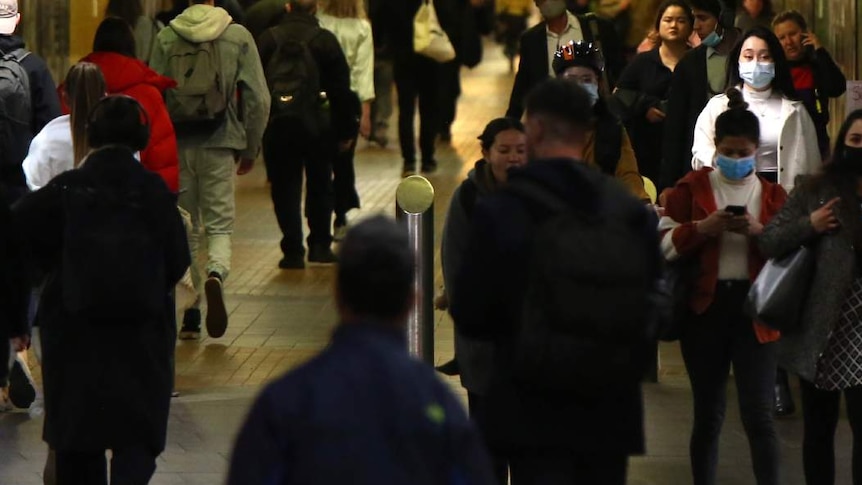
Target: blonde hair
(84,86)
(344,9)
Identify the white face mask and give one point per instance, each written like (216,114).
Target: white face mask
(593,90)
(758,75)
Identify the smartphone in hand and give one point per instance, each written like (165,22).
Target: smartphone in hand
(737,210)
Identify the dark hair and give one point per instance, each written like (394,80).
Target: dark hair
(118,120)
(114,35)
(128,10)
(84,86)
(737,120)
(666,4)
(495,127)
(839,162)
(375,269)
(711,6)
(565,101)
(783,82)
(791,16)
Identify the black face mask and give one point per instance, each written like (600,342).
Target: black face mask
(853,159)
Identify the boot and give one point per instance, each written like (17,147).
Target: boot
(783,405)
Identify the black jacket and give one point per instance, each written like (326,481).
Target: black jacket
(829,82)
(533,67)
(126,358)
(14,286)
(362,412)
(493,280)
(332,67)
(689,93)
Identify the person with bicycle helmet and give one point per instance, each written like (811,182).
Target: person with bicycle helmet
(607,144)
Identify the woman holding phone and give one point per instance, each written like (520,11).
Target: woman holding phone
(714,218)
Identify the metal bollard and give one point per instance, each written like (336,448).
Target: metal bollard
(414,201)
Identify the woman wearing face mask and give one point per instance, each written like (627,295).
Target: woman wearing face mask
(788,139)
(504,146)
(642,91)
(824,213)
(608,147)
(714,217)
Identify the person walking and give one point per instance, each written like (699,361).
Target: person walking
(713,218)
(823,214)
(641,96)
(403,425)
(111,240)
(144,27)
(217,128)
(348,21)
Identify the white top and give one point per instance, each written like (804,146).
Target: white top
(798,152)
(50,154)
(733,253)
(767,106)
(354,36)
(571,32)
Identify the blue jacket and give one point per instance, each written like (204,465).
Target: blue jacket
(362,412)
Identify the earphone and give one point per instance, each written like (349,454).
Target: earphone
(101,129)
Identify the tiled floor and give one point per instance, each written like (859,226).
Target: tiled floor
(281,318)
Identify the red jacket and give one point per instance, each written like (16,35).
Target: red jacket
(129,76)
(692,200)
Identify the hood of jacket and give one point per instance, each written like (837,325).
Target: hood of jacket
(123,72)
(483,178)
(570,179)
(10,42)
(201,23)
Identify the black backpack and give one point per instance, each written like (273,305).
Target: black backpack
(293,78)
(585,323)
(15,109)
(113,258)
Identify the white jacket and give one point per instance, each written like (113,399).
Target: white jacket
(354,36)
(798,152)
(50,153)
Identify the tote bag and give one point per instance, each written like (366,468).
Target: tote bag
(778,294)
(429,39)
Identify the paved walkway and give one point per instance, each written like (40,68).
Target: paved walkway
(281,318)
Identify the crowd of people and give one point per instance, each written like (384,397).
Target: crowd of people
(555,250)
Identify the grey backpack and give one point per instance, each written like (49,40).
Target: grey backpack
(15,108)
(199,102)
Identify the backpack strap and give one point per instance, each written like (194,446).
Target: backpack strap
(18,54)
(609,139)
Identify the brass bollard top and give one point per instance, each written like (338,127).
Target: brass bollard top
(415,194)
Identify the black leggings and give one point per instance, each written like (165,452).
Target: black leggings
(820,413)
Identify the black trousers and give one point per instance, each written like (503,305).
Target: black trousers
(710,344)
(416,78)
(287,152)
(344,183)
(476,404)
(565,467)
(129,466)
(820,413)
(450,91)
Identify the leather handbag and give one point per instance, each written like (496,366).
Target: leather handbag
(778,294)
(429,39)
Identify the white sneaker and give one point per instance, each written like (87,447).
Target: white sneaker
(339,233)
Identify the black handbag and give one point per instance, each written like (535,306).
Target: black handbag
(778,294)
(672,298)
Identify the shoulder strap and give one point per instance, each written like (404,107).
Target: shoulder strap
(593,24)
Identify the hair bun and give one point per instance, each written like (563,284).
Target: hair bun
(735,99)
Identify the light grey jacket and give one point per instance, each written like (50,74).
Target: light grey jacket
(248,110)
(835,271)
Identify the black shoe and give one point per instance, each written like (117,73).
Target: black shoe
(319,253)
(191,329)
(429,167)
(408,170)
(450,368)
(446,136)
(216,311)
(294,261)
(783,405)
(22,392)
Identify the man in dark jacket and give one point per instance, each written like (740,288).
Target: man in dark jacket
(14,288)
(290,144)
(44,101)
(700,75)
(111,269)
(550,434)
(363,411)
(541,42)
(816,77)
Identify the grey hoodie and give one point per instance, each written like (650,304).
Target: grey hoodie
(248,111)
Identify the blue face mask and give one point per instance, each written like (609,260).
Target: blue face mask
(757,74)
(713,39)
(593,90)
(734,168)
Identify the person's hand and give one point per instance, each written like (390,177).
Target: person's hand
(345,145)
(365,125)
(442,301)
(715,224)
(810,39)
(753,226)
(655,115)
(824,218)
(20,343)
(245,166)
(744,225)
